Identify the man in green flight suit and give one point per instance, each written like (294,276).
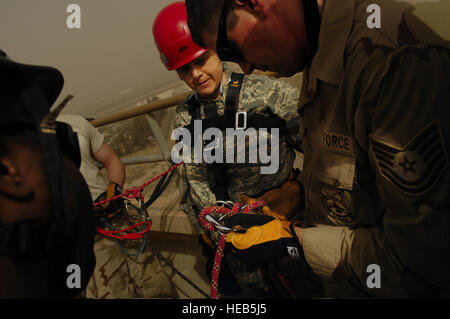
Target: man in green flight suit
(375,128)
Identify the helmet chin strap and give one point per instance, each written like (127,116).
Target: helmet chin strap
(35,103)
(28,237)
(62,233)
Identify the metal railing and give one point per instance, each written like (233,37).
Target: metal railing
(146,110)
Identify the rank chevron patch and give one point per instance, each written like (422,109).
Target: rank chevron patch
(415,168)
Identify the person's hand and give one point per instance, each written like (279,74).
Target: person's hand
(111,208)
(263,238)
(282,202)
(268,257)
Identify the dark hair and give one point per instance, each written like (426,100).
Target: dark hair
(203,16)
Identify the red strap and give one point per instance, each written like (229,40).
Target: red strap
(137,191)
(130,236)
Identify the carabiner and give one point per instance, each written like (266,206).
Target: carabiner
(223,229)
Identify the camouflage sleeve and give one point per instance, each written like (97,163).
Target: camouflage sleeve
(186,203)
(182,116)
(281,98)
(407,146)
(200,191)
(195,173)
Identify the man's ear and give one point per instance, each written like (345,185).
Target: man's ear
(12,184)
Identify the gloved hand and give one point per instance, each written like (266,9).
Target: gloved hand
(112,208)
(265,238)
(283,202)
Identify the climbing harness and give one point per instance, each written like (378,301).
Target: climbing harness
(136,193)
(210,223)
(232,118)
(140,229)
(142,213)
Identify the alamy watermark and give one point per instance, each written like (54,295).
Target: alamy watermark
(73,20)
(374,19)
(374,279)
(213,152)
(74,278)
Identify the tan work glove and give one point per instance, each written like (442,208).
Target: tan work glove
(112,208)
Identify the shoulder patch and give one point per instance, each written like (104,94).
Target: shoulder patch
(415,168)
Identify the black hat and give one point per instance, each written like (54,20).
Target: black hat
(15,78)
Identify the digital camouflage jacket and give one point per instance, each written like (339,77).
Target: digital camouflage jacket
(260,95)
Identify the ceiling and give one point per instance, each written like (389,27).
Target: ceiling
(110,63)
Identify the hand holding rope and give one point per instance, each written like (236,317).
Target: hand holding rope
(209,223)
(133,193)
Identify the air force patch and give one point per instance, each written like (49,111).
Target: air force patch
(415,168)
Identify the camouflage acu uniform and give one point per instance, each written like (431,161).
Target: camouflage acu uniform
(376,125)
(119,276)
(259,95)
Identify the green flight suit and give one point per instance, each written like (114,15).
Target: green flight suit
(375,120)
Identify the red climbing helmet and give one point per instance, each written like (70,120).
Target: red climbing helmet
(173,37)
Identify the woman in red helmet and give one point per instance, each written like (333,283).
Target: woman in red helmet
(200,68)
(266,102)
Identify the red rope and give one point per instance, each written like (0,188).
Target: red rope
(130,236)
(216,268)
(237,208)
(135,192)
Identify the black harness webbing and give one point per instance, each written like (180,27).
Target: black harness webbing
(34,237)
(217,171)
(210,110)
(27,237)
(256,121)
(234,89)
(228,120)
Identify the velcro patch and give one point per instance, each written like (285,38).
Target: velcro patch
(337,142)
(415,168)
